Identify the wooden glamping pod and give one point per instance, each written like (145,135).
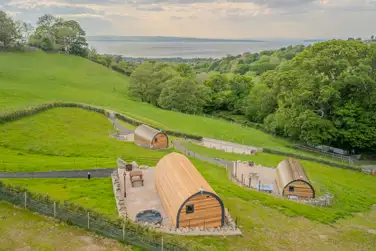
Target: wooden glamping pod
(187,197)
(149,137)
(293,181)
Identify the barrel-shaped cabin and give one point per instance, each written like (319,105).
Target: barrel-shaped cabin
(292,180)
(149,137)
(187,197)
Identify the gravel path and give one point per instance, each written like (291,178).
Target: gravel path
(221,162)
(94,173)
(123,130)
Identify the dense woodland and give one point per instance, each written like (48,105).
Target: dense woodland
(321,94)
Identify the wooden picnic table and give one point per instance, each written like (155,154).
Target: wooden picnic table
(136,176)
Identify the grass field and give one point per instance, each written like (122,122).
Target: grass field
(89,140)
(96,194)
(23,230)
(267,223)
(64,139)
(351,189)
(35,77)
(55,139)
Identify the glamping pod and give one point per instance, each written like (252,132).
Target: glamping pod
(187,197)
(149,137)
(292,180)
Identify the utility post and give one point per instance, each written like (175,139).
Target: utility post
(125,187)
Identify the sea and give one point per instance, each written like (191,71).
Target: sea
(187,48)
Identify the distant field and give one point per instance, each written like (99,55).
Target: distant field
(66,139)
(35,77)
(23,230)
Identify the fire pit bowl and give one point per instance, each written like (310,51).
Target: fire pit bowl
(149,216)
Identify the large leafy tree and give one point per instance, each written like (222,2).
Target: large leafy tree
(148,81)
(13,33)
(327,95)
(56,34)
(183,95)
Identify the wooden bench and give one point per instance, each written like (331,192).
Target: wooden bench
(136,176)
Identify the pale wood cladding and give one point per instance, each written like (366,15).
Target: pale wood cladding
(141,141)
(162,141)
(176,180)
(289,171)
(301,189)
(207,212)
(145,136)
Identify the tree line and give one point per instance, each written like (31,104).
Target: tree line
(57,35)
(322,94)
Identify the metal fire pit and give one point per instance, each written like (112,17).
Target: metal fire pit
(149,216)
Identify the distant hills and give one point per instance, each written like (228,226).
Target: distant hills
(163,39)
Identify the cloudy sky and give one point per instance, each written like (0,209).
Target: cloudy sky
(209,18)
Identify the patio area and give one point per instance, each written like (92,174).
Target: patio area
(140,197)
(255,176)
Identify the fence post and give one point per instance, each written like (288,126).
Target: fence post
(123,232)
(162,244)
(88,220)
(25,199)
(54,208)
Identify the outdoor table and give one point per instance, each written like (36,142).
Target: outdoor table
(136,176)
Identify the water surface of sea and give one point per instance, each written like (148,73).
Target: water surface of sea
(191,49)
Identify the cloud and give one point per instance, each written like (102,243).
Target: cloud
(150,8)
(207,18)
(176,18)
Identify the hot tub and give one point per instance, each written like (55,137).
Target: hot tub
(149,216)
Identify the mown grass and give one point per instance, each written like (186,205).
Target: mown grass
(266,223)
(351,189)
(23,230)
(67,134)
(65,139)
(96,193)
(35,78)
(266,159)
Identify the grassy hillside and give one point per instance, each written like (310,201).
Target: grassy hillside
(66,138)
(36,77)
(351,189)
(267,222)
(23,230)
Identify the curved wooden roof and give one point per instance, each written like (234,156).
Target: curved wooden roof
(146,132)
(290,170)
(176,179)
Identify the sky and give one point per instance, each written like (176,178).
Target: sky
(208,18)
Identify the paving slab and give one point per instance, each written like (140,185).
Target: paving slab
(140,197)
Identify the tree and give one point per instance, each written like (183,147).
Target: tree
(183,95)
(9,31)
(185,71)
(157,83)
(57,34)
(140,80)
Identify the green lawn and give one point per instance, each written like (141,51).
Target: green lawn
(96,194)
(35,77)
(267,223)
(266,159)
(64,139)
(23,230)
(351,189)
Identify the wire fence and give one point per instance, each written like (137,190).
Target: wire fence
(121,230)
